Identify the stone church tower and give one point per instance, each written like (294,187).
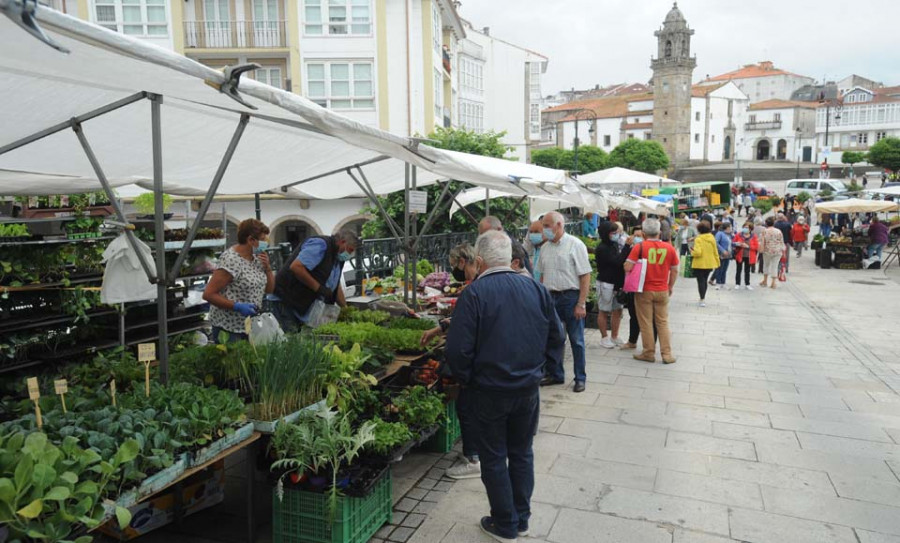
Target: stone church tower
(672,77)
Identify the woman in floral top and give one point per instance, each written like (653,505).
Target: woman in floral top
(238,285)
(771,244)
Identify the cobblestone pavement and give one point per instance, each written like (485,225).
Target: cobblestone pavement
(780,422)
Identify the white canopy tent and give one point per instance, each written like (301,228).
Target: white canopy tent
(856,205)
(888,191)
(539,204)
(143,115)
(623,179)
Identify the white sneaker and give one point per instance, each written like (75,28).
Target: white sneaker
(464,470)
(619,341)
(607,343)
(748,287)
(718,288)
(702,304)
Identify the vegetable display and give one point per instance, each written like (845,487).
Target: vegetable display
(407,323)
(388,436)
(352,314)
(368,334)
(437,280)
(418,407)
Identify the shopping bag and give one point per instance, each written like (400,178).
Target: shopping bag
(688,266)
(782,266)
(321,313)
(634,280)
(264,329)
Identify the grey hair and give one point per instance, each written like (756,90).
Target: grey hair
(650,227)
(494,248)
(556,217)
(493,222)
(347,236)
(463,250)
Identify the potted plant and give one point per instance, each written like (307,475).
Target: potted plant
(14,232)
(145,204)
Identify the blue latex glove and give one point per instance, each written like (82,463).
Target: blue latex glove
(246,310)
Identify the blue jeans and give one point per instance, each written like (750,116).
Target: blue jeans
(565,307)
(825,230)
(721,271)
(874,248)
(466,424)
(506,426)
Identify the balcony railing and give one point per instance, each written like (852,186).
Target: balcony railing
(235,34)
(763,125)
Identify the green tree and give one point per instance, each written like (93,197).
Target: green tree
(885,154)
(486,144)
(590,158)
(646,156)
(852,157)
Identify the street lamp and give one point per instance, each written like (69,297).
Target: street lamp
(838,106)
(798,153)
(587,114)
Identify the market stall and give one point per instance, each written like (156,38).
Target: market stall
(847,250)
(695,197)
(624,180)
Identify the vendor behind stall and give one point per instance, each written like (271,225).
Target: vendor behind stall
(879,237)
(314,274)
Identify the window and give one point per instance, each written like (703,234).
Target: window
(471,116)
(438,93)
(341,85)
(648,135)
(880,136)
(696,138)
(697,116)
(631,136)
(535,81)
(270,75)
(668,49)
(471,77)
(778,117)
(863,138)
(752,119)
(607,141)
(436,29)
(637,120)
(535,118)
(665,87)
(337,17)
(133,17)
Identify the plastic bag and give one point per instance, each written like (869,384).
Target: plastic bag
(263,329)
(321,313)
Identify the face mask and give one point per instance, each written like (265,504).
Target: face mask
(745,231)
(263,245)
(549,234)
(459,275)
(536,238)
(615,237)
(638,239)
(345,256)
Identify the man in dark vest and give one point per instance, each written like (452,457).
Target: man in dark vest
(314,274)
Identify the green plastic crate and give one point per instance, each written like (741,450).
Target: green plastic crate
(302,517)
(447,434)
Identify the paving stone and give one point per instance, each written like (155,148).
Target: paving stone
(616,390)
(769,408)
(713,489)
(397,517)
(424,507)
(548,423)
(443,463)
(831,462)
(678,511)
(856,431)
(868,516)
(401,535)
(434,496)
(558,395)
(384,531)
(771,475)
(600,471)
(707,400)
(406,505)
(761,527)
(688,536)
(443,486)
(809,399)
(731,392)
(732,372)
(435,473)
(586,527)
(755,434)
(853,384)
(684,424)
(796,378)
(845,445)
(630,402)
(576,493)
(622,435)
(413,520)
(432,530)
(668,374)
(575,411)
(427,483)
(886,492)
(851,417)
(866,536)
(417,493)
(681,441)
(721,415)
(643,382)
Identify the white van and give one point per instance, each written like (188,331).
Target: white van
(813,186)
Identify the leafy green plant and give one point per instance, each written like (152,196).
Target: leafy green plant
(344,379)
(407,323)
(371,335)
(353,314)
(145,203)
(78,301)
(14,231)
(388,436)
(764,206)
(317,441)
(424,267)
(418,407)
(48,491)
(803,197)
(83,224)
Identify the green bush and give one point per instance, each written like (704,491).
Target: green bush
(803,197)
(764,206)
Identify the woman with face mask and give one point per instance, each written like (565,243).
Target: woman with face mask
(236,289)
(610,260)
(746,251)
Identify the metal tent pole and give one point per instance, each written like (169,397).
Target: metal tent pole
(258,208)
(406,240)
(487,202)
(162,313)
(415,237)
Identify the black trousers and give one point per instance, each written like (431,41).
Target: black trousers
(634,327)
(702,281)
(745,264)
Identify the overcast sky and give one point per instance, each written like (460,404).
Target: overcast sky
(611,41)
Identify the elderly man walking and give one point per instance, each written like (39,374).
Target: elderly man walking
(652,304)
(566,272)
(503,325)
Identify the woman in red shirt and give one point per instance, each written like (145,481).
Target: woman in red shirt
(799,233)
(746,250)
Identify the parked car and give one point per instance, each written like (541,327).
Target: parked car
(756,187)
(813,186)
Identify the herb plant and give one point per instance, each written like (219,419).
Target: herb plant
(388,436)
(418,407)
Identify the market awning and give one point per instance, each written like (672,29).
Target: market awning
(539,203)
(887,190)
(288,138)
(855,205)
(623,179)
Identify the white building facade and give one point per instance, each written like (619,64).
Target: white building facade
(762,81)
(779,130)
(865,118)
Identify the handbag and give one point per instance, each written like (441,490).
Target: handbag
(688,266)
(622,297)
(634,281)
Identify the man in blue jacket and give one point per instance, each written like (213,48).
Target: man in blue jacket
(504,326)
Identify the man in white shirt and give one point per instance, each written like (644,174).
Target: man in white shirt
(566,272)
